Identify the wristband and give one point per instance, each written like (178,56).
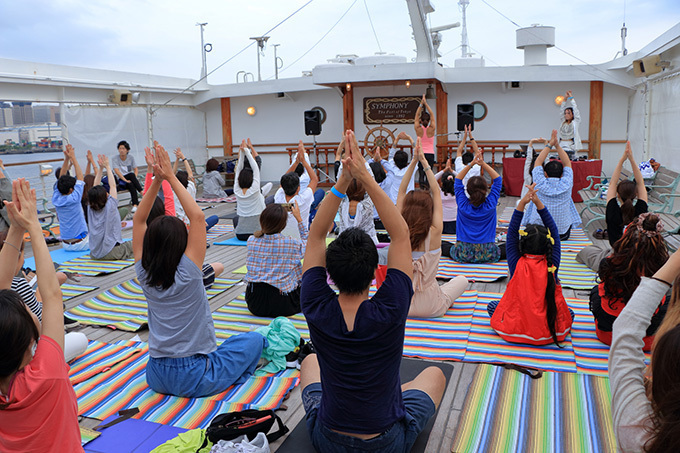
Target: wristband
(184,159)
(337,193)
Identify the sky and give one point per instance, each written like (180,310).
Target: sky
(161,36)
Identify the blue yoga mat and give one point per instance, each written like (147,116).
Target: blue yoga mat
(131,435)
(232,241)
(59,256)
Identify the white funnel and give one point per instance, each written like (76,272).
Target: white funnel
(535,41)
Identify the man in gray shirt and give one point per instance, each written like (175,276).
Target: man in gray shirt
(125,168)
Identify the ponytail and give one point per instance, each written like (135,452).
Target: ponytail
(627,191)
(258,233)
(551,306)
(627,211)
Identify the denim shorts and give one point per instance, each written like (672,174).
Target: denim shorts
(400,437)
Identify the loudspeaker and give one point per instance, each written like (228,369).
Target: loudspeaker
(466,116)
(647,66)
(312,122)
(121,97)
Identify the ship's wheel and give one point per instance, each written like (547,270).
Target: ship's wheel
(379,136)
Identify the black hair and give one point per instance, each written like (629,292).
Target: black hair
(57,172)
(448,182)
(17,330)
(378,172)
(97,197)
(476,189)
(627,190)
(183,177)
(467,157)
(570,109)
(245,178)
(536,242)
(553,169)
(157,210)
(65,183)
(211,165)
(299,170)
(290,182)
(401,159)
(123,143)
(351,261)
(165,241)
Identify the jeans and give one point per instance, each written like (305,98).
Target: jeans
(211,222)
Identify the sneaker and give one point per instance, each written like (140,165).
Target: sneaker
(70,323)
(305,350)
(292,356)
(134,209)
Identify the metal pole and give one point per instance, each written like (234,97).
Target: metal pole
(276,62)
(464,36)
(204,65)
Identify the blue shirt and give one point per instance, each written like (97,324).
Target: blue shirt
(359,368)
(70,212)
(476,224)
(555,193)
(512,244)
(180,321)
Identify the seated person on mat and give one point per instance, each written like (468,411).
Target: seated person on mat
(395,167)
(464,158)
(38,407)
(447,179)
(351,389)
(532,309)
(554,183)
(291,192)
(213,181)
(184,357)
(186,177)
(68,193)
(249,197)
(356,211)
(476,218)
(423,212)
(616,217)
(273,263)
(106,241)
(639,253)
(126,172)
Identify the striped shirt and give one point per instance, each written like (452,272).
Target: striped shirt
(21,286)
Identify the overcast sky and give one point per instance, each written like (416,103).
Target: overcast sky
(161,36)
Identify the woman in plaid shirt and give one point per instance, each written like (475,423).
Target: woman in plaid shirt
(273,262)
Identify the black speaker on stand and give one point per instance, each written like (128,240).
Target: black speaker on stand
(466,116)
(312,122)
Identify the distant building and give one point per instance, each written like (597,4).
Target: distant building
(46,114)
(22,113)
(6,115)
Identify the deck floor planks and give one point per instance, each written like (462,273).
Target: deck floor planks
(233,257)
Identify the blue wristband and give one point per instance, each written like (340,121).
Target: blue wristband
(337,193)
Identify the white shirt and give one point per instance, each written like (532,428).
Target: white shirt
(250,203)
(394,176)
(304,199)
(474,171)
(179,210)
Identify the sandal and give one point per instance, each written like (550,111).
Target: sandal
(599,234)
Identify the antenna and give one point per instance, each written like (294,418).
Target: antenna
(261,40)
(277,60)
(204,50)
(464,44)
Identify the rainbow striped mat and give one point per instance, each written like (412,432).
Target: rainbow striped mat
(112,377)
(229,199)
(476,272)
(124,306)
(69,291)
(442,338)
(86,266)
(561,412)
(575,275)
(578,239)
(219,230)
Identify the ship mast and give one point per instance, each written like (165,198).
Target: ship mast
(464,44)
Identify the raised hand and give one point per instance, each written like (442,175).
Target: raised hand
(418,152)
(249,144)
(301,152)
(628,153)
(89,156)
(355,163)
(22,210)
(70,152)
(178,153)
(162,168)
(149,157)
(569,94)
(423,101)
(553,138)
(104,161)
(448,165)
(295,210)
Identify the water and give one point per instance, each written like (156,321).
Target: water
(32,171)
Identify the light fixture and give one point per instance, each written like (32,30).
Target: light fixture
(251,111)
(348,87)
(429,93)
(408,84)
(559,100)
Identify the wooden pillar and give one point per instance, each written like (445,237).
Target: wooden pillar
(442,125)
(595,123)
(347,109)
(225,104)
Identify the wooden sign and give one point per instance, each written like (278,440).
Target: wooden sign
(391,110)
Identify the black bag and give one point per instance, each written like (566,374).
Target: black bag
(249,422)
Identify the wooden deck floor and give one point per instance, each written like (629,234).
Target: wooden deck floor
(446,423)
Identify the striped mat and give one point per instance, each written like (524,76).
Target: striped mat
(86,266)
(112,377)
(575,275)
(124,306)
(476,272)
(484,345)
(229,199)
(505,216)
(69,291)
(219,230)
(508,411)
(442,338)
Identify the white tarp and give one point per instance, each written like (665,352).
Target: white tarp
(664,133)
(100,128)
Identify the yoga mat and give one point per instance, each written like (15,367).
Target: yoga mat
(58,256)
(131,435)
(476,272)
(86,266)
(112,377)
(124,306)
(507,411)
(575,275)
(484,345)
(69,291)
(506,215)
(232,241)
(298,440)
(442,338)
(578,239)
(219,230)
(229,199)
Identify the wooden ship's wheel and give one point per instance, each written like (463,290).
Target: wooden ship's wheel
(379,136)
